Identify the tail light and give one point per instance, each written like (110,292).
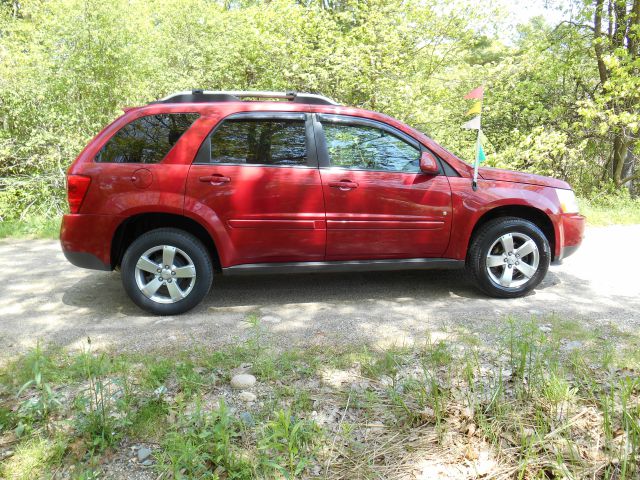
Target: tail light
(77,186)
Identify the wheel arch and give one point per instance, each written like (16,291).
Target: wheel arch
(136,225)
(532,214)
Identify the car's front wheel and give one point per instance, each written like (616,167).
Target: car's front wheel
(509,257)
(166,271)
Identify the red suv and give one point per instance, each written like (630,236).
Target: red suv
(204,183)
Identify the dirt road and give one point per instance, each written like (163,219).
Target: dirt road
(44,297)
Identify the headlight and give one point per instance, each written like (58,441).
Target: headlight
(568,202)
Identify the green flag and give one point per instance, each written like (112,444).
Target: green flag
(481,156)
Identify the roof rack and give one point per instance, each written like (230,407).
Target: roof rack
(196,96)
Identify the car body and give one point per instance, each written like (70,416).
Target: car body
(298,184)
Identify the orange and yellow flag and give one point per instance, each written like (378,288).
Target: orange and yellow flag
(476,108)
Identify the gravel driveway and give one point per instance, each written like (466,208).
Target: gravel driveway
(44,297)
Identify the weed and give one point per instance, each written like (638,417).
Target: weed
(158,373)
(189,380)
(288,444)
(38,407)
(630,423)
(98,417)
(265,367)
(201,446)
(235,355)
(149,419)
(545,410)
(8,421)
(254,343)
(87,474)
(437,354)
(302,401)
(560,394)
(386,363)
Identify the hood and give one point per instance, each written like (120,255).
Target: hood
(520,177)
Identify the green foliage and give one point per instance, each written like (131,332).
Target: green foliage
(288,444)
(377,364)
(31,227)
(611,209)
(39,406)
(158,372)
(521,394)
(201,446)
(188,378)
(148,420)
(67,67)
(100,404)
(35,458)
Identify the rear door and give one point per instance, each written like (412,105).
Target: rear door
(379,204)
(257,175)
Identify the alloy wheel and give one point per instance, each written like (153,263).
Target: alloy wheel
(165,274)
(512,260)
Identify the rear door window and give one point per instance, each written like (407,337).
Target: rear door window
(272,142)
(147,139)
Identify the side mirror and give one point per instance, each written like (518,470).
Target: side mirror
(428,163)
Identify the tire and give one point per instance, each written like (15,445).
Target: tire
(173,290)
(502,272)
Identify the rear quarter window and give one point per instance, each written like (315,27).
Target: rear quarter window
(147,139)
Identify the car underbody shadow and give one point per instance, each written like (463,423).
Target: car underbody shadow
(103,292)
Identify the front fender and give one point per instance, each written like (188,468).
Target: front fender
(470,206)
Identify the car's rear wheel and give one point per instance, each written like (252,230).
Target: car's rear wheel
(166,271)
(508,257)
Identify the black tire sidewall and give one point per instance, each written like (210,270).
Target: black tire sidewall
(182,240)
(485,238)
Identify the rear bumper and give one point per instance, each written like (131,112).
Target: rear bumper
(86,240)
(85,260)
(571,229)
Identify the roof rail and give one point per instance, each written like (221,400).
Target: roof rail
(196,96)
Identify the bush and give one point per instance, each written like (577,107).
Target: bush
(611,209)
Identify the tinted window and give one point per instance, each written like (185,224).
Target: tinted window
(147,139)
(260,142)
(369,148)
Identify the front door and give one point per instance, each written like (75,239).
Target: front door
(379,204)
(257,176)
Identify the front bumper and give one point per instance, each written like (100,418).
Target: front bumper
(86,239)
(571,233)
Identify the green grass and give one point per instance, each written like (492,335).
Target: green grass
(149,420)
(31,227)
(34,458)
(611,210)
(518,393)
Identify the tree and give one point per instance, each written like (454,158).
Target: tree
(614,103)
(560,101)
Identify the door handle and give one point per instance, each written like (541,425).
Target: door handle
(344,185)
(215,179)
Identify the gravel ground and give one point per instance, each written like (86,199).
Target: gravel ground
(44,297)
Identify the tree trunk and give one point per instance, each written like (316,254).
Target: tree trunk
(628,168)
(623,164)
(597,21)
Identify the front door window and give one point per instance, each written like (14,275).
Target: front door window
(363,147)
